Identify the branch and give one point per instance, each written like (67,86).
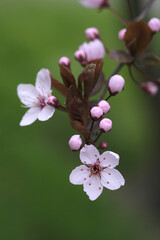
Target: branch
(145,10)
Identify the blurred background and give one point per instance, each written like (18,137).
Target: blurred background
(37,201)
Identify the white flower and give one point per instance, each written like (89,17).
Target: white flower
(94,50)
(98,172)
(36,98)
(94,3)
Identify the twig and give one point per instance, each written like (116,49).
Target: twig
(129,9)
(118,15)
(117,69)
(145,10)
(131,75)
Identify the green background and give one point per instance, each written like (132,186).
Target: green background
(37,201)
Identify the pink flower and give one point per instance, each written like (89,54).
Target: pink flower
(150,87)
(96,113)
(121,34)
(92,33)
(94,3)
(36,98)
(75,142)
(94,50)
(98,172)
(116,84)
(105,125)
(154,24)
(104,105)
(65,60)
(80,56)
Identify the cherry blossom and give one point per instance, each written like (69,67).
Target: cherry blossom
(36,98)
(98,172)
(94,3)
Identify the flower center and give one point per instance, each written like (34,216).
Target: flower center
(95,169)
(42,102)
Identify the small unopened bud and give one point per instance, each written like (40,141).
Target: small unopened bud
(75,142)
(116,84)
(92,33)
(105,125)
(53,101)
(65,60)
(96,113)
(104,105)
(80,56)
(121,34)
(103,145)
(154,24)
(150,87)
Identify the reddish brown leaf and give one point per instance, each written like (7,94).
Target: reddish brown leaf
(138,37)
(67,76)
(99,84)
(121,56)
(59,86)
(81,129)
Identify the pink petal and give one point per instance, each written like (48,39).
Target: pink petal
(79,175)
(109,159)
(112,179)
(43,82)
(93,188)
(30,116)
(46,113)
(89,154)
(28,94)
(91,3)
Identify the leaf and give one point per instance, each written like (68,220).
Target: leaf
(67,76)
(99,84)
(149,60)
(121,56)
(58,86)
(89,77)
(138,37)
(81,129)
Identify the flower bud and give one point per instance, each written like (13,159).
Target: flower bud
(75,142)
(104,105)
(92,33)
(154,24)
(121,34)
(80,56)
(116,84)
(103,145)
(64,60)
(96,113)
(150,87)
(53,101)
(105,125)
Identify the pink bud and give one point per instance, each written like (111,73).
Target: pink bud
(53,101)
(105,125)
(103,145)
(154,24)
(104,105)
(80,56)
(96,113)
(116,84)
(64,60)
(92,33)
(121,34)
(75,142)
(95,3)
(150,87)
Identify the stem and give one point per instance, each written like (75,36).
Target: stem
(92,125)
(108,97)
(118,15)
(95,140)
(61,108)
(117,69)
(130,73)
(145,10)
(129,9)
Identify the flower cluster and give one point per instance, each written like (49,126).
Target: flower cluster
(85,110)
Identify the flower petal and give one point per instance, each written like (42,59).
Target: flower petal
(79,175)
(109,159)
(46,113)
(28,94)
(91,3)
(89,154)
(30,116)
(43,82)
(93,187)
(112,179)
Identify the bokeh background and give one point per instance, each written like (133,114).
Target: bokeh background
(37,201)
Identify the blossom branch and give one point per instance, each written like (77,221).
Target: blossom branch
(118,15)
